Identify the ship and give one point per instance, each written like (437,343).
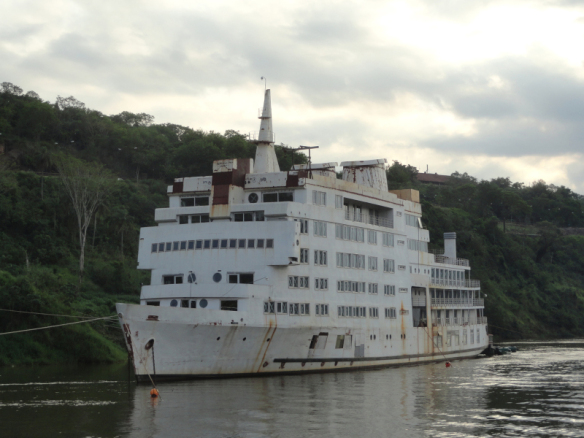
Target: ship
(257,271)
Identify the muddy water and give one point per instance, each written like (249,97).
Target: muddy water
(538,392)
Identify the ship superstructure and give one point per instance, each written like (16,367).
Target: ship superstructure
(260,271)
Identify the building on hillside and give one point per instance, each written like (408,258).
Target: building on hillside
(432,178)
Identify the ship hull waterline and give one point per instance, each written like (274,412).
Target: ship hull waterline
(174,349)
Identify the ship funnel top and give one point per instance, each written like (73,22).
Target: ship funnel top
(265,158)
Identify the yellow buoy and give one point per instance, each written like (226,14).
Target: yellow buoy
(154,393)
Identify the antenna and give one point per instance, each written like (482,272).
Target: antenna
(263,78)
(304,148)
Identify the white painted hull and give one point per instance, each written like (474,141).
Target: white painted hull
(187,343)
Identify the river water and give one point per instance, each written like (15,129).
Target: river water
(538,391)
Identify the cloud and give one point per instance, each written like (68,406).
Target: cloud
(450,81)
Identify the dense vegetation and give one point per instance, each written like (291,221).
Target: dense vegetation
(534,280)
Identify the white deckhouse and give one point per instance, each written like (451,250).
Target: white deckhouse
(257,271)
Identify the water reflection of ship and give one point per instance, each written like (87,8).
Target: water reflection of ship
(258,271)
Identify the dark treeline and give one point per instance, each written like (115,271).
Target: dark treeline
(39,243)
(524,242)
(533,278)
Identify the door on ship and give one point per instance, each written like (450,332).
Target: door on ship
(419,310)
(317,344)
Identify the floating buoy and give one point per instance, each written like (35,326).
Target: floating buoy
(154,393)
(447,364)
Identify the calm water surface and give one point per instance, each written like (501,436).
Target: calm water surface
(538,391)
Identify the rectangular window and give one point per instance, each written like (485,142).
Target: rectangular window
(241,243)
(251,243)
(321,309)
(294,309)
(187,202)
(183,245)
(154,247)
(320,257)
(387,239)
(223,243)
(168,246)
(319,228)
(345,260)
(242,278)
(269,307)
(417,245)
(215,243)
(388,265)
(249,216)
(161,247)
(172,279)
(304,255)
(321,283)
(338,201)
(269,243)
(303,226)
(207,244)
(183,219)
(229,305)
(412,220)
(340,342)
(372,237)
(389,289)
(191,244)
(373,312)
(232,243)
(318,198)
(305,309)
(390,313)
(282,307)
(260,243)
(199,218)
(372,263)
(297,282)
(373,288)
(175,246)
(278,197)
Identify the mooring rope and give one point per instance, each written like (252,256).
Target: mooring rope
(47,314)
(57,325)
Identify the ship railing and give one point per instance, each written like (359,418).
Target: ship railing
(369,219)
(459,321)
(440,258)
(455,283)
(458,302)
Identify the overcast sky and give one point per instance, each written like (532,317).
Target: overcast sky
(492,88)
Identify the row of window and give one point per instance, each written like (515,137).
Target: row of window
(417,245)
(413,221)
(212,244)
(447,274)
(283,307)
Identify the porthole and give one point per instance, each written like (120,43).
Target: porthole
(191,278)
(173,303)
(253,198)
(217,277)
(219,338)
(244,339)
(203,303)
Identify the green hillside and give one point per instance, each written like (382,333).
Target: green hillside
(513,234)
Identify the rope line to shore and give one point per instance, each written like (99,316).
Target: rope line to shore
(48,314)
(58,325)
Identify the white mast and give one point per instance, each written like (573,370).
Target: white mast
(265,158)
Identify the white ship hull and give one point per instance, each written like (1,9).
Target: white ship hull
(177,347)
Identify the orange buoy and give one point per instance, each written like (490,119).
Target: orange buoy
(447,364)
(154,393)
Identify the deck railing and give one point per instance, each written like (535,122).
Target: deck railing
(458,302)
(441,258)
(458,321)
(369,219)
(474,284)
